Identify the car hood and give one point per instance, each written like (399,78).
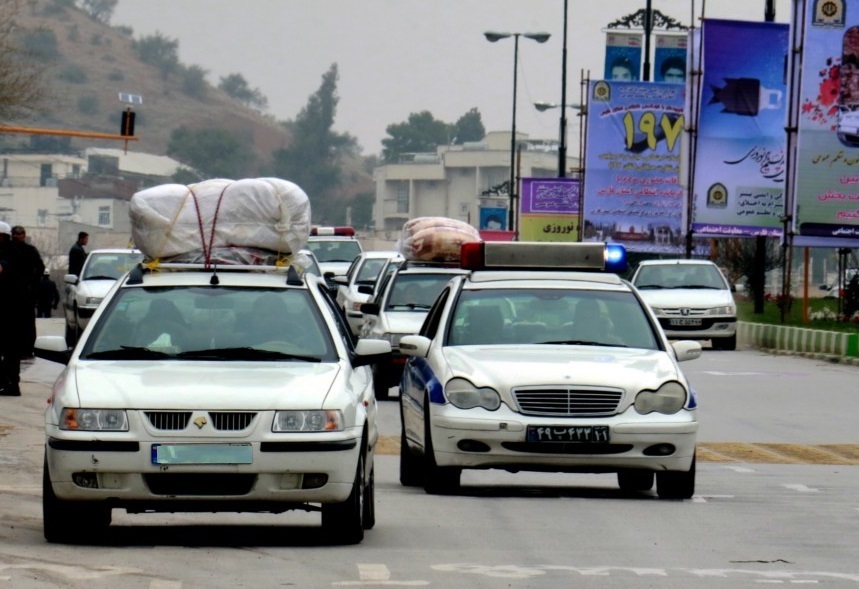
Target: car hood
(407,322)
(506,367)
(685,297)
(191,385)
(94,287)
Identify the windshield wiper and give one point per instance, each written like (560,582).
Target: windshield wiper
(698,286)
(100,278)
(581,342)
(649,286)
(129,353)
(244,353)
(408,306)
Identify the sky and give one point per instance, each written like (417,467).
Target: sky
(397,57)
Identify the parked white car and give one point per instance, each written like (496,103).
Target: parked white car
(364,271)
(84,293)
(691,298)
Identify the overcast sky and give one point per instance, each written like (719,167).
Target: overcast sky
(396,57)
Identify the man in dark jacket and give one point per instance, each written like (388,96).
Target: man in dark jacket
(48,296)
(12,292)
(77,254)
(32,270)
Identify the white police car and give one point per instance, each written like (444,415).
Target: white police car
(334,248)
(541,359)
(227,388)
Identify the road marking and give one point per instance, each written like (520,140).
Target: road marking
(704,498)
(377,574)
(162,584)
(73,572)
(801,488)
(721,373)
(741,469)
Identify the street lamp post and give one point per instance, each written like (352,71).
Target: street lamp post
(492,37)
(562,149)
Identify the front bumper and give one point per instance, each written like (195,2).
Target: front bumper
(709,329)
(122,472)
(497,439)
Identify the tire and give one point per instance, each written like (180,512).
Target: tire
(438,480)
(343,523)
(725,343)
(635,481)
(71,522)
(380,383)
(411,466)
(676,485)
(370,502)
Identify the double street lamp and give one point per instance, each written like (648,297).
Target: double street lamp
(562,140)
(493,37)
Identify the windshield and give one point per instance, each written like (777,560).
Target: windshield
(370,270)
(700,276)
(206,323)
(415,291)
(344,250)
(111,266)
(550,316)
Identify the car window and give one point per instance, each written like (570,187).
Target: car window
(370,270)
(111,266)
(196,322)
(433,318)
(550,316)
(335,251)
(415,291)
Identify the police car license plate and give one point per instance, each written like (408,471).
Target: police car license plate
(685,321)
(588,434)
(202,454)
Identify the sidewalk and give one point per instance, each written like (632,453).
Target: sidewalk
(834,346)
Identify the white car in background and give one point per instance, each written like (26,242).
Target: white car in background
(84,293)
(364,271)
(335,248)
(691,298)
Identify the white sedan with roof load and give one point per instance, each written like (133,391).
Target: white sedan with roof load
(543,359)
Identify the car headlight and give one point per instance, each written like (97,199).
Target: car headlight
(96,420)
(727,310)
(93,301)
(668,399)
(308,421)
(464,395)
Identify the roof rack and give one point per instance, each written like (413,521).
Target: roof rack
(292,275)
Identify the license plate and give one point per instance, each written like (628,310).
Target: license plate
(202,454)
(588,434)
(685,321)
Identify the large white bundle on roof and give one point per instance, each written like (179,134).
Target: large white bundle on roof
(264,213)
(435,239)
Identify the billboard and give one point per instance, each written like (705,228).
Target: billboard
(669,59)
(741,151)
(632,191)
(623,56)
(826,171)
(550,209)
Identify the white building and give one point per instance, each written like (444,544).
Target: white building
(458,180)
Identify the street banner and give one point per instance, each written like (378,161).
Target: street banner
(669,58)
(826,181)
(623,56)
(550,209)
(632,191)
(741,152)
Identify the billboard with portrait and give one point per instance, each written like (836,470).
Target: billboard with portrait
(623,56)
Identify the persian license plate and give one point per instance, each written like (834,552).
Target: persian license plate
(685,321)
(202,454)
(587,434)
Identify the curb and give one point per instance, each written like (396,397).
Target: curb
(831,346)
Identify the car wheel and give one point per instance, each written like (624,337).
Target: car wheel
(438,480)
(725,343)
(676,485)
(380,383)
(634,481)
(411,466)
(71,522)
(343,523)
(370,502)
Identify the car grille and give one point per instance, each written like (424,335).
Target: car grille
(679,311)
(221,420)
(568,402)
(179,484)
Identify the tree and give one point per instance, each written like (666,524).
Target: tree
(313,159)
(21,90)
(422,133)
(742,258)
(469,127)
(215,153)
(159,51)
(237,87)
(194,81)
(100,10)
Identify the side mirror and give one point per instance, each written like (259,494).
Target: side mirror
(366,289)
(370,308)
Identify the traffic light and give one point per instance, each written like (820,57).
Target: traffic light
(126,129)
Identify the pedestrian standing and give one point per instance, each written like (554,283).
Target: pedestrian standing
(11,292)
(48,296)
(32,270)
(77,254)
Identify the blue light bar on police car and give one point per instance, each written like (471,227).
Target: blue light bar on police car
(533,255)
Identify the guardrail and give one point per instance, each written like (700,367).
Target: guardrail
(831,345)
